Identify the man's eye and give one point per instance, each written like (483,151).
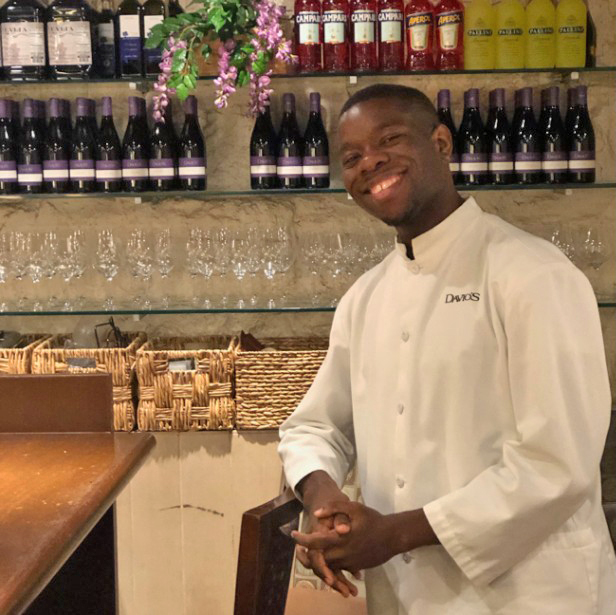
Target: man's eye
(390,139)
(350,161)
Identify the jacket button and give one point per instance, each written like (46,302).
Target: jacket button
(407,557)
(405,336)
(400,482)
(400,408)
(415,268)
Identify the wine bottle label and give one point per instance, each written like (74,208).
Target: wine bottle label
(454,163)
(419,26)
(162,168)
(135,169)
(474,163)
(130,38)
(582,161)
(500,163)
(192,168)
(448,26)
(106,34)
(527,161)
(315,166)
(83,170)
(263,166)
(363,26)
(69,43)
(23,44)
(108,170)
(390,25)
(8,171)
(334,27)
(56,170)
(308,24)
(30,174)
(554,162)
(289,166)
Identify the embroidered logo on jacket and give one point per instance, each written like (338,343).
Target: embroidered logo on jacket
(449,298)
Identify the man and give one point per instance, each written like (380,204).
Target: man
(466,377)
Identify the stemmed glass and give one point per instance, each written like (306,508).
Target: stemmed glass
(50,260)
(5,266)
(162,256)
(19,261)
(141,263)
(221,248)
(36,263)
(276,253)
(593,248)
(107,262)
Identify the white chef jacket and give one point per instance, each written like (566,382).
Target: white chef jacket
(471,381)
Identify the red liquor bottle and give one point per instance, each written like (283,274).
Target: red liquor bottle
(449,17)
(419,20)
(391,35)
(335,20)
(308,35)
(363,35)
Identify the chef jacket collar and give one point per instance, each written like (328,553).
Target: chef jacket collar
(431,246)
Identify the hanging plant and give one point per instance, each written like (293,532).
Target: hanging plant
(250,40)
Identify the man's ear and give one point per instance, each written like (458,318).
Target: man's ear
(443,141)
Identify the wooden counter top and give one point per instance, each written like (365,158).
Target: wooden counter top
(53,490)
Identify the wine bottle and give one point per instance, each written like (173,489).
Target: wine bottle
(15,121)
(510,34)
(581,141)
(108,152)
(83,151)
(316,147)
(553,139)
(571,98)
(290,147)
(135,147)
(41,119)
(56,152)
(29,155)
(308,35)
(8,152)
(92,118)
(106,47)
(472,142)
(449,17)
(540,44)
(23,40)
(517,113)
(479,36)
(390,17)
(263,151)
(174,8)
(444,115)
(419,19)
(163,153)
(571,16)
(67,124)
(69,39)
(526,142)
(153,13)
(335,20)
(192,162)
(363,35)
(129,24)
(591,40)
(498,132)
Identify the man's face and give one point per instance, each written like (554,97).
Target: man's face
(391,165)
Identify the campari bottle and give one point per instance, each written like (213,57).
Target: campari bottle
(390,20)
(449,17)
(308,35)
(419,21)
(335,20)
(363,35)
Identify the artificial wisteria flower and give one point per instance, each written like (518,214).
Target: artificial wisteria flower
(227,75)
(161,100)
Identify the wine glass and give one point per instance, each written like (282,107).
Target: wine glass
(50,251)
(141,263)
(5,265)
(162,257)
(107,263)
(19,254)
(593,248)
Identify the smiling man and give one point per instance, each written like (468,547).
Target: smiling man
(466,377)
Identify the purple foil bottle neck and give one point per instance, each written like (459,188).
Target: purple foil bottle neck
(29,111)
(552,97)
(133,106)
(288,103)
(315,102)
(55,108)
(582,95)
(83,107)
(107,106)
(526,97)
(497,98)
(443,100)
(471,98)
(6,110)
(190,106)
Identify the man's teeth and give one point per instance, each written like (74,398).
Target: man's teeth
(384,184)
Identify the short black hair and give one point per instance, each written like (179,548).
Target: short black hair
(412,100)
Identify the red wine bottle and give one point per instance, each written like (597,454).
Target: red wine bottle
(129,25)
(136,147)
(498,132)
(106,48)
(472,142)
(41,118)
(444,115)
(69,39)
(153,14)
(581,141)
(363,35)
(390,19)
(108,152)
(192,162)
(29,158)
(308,35)
(335,20)
(571,98)
(23,40)
(526,142)
(8,153)
(290,147)
(553,139)
(67,123)
(83,152)
(263,152)
(163,153)
(316,147)
(56,153)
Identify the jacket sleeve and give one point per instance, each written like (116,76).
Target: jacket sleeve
(561,401)
(319,433)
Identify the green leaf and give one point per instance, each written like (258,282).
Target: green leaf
(190,82)
(206,51)
(182,92)
(174,81)
(243,78)
(179,59)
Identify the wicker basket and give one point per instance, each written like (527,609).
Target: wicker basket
(18,360)
(270,383)
(198,396)
(50,357)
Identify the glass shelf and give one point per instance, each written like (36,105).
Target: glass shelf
(212,194)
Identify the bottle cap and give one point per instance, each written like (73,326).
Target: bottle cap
(190,105)
(107,106)
(552,96)
(134,106)
(443,100)
(55,110)
(497,98)
(288,103)
(315,102)
(83,107)
(526,97)
(582,95)
(471,98)
(29,111)
(6,108)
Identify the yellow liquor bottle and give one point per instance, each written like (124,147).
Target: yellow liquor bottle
(510,34)
(479,35)
(540,35)
(570,34)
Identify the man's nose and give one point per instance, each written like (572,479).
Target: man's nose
(372,159)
